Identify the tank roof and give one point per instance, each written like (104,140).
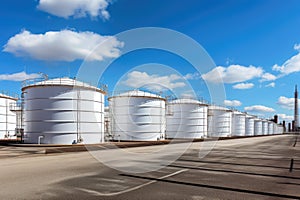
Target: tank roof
(186,101)
(214,107)
(8,96)
(65,81)
(258,119)
(137,93)
(250,116)
(236,112)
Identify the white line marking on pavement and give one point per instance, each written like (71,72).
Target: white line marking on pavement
(130,189)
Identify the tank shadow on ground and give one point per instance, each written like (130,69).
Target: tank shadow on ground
(234,172)
(215,187)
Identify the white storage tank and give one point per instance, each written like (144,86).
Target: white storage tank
(63,111)
(270,128)
(249,125)
(219,121)
(238,123)
(8,118)
(275,128)
(138,116)
(186,119)
(258,126)
(265,127)
(278,129)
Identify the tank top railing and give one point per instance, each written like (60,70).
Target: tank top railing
(63,81)
(8,94)
(140,93)
(15,106)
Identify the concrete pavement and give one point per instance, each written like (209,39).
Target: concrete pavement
(249,168)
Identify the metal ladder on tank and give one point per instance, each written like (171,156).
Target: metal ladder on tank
(79,138)
(6,119)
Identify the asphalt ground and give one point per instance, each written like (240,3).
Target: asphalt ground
(248,168)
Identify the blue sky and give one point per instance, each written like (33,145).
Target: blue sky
(254,44)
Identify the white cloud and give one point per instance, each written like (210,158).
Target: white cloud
(271,85)
(259,109)
(297,47)
(277,68)
(267,77)
(232,74)
(20,76)
(188,95)
(285,117)
(137,79)
(76,8)
(285,102)
(290,66)
(243,86)
(232,103)
(192,76)
(65,45)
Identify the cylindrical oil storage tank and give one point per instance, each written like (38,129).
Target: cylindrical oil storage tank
(275,128)
(186,119)
(265,127)
(270,128)
(8,118)
(238,123)
(258,126)
(219,121)
(249,125)
(63,111)
(137,116)
(280,129)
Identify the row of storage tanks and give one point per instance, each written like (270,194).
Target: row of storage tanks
(66,111)
(138,115)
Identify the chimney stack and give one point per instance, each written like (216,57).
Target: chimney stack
(276,119)
(296,115)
